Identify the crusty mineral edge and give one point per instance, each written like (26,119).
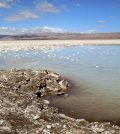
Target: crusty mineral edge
(48,44)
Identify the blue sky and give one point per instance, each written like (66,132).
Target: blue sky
(21,16)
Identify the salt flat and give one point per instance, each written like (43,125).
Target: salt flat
(51,44)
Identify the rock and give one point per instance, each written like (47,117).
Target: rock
(4,77)
(66,117)
(36,117)
(64,126)
(63,84)
(5,126)
(48,126)
(53,75)
(80,120)
(47,82)
(60,92)
(46,102)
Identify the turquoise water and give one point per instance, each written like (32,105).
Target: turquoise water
(94,72)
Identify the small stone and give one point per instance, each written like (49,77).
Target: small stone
(66,117)
(6,128)
(63,84)
(64,126)
(1,122)
(36,117)
(80,120)
(46,102)
(48,126)
(60,93)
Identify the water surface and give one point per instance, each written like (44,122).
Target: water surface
(93,70)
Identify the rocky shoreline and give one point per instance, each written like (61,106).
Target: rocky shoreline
(24,110)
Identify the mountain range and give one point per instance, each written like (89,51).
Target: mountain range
(62,36)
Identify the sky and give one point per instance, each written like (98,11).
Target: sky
(34,16)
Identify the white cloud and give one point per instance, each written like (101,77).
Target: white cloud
(92,31)
(36,30)
(51,29)
(47,7)
(6,30)
(10,0)
(101,21)
(102,24)
(4,4)
(24,15)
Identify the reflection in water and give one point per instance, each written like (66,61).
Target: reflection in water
(93,70)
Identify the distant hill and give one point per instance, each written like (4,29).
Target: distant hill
(62,36)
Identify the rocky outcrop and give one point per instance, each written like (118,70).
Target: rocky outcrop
(42,82)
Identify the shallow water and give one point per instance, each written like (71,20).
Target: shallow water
(93,70)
